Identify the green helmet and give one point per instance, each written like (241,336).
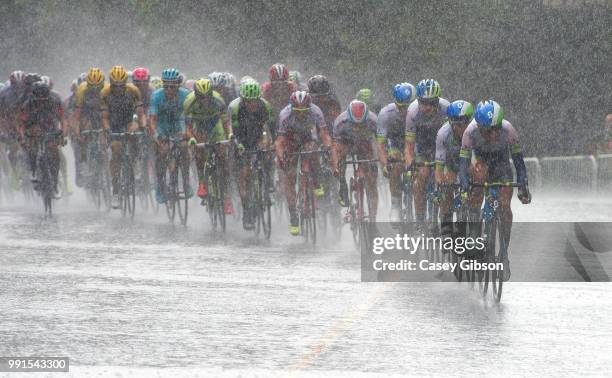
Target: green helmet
(250,90)
(364,94)
(156,82)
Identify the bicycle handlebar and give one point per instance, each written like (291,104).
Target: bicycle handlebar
(211,144)
(364,161)
(127,133)
(495,184)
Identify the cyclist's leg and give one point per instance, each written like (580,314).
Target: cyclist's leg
(371,179)
(31,148)
(501,171)
(184,157)
(243,188)
(288,181)
(343,194)
(395,178)
(115,164)
(446,206)
(200,159)
(54,164)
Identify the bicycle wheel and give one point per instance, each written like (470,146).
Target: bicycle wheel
(497,277)
(219,199)
(357,211)
(312,214)
(182,200)
(131,191)
(46,185)
(171,189)
(485,276)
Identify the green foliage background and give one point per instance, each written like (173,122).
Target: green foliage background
(548,66)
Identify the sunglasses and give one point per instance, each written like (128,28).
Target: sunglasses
(431,102)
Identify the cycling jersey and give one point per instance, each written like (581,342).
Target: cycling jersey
(9,103)
(247,126)
(205,117)
(347,132)
(391,127)
(329,105)
(89,101)
(277,93)
(495,154)
(45,114)
(423,128)
(448,148)
(169,112)
(300,131)
(120,106)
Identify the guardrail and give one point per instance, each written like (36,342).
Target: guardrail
(581,173)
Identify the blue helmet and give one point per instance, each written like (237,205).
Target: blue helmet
(489,114)
(403,93)
(171,74)
(460,109)
(428,89)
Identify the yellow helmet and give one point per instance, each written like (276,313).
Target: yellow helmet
(203,87)
(118,75)
(95,76)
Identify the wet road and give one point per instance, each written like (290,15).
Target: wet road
(146,298)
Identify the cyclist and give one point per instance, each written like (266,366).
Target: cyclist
(366,95)
(448,146)
(119,102)
(424,118)
(492,140)
(10,97)
(207,121)
(220,85)
(390,136)
(296,77)
(87,115)
(41,113)
(322,96)
(141,78)
(230,87)
(251,117)
(354,133)
(156,82)
(166,120)
(278,90)
(301,127)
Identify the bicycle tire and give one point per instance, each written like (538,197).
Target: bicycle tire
(171,197)
(181,195)
(497,278)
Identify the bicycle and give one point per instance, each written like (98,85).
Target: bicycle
(46,174)
(406,183)
(495,244)
(177,179)
(305,201)
(215,199)
(145,183)
(127,181)
(356,213)
(261,201)
(98,185)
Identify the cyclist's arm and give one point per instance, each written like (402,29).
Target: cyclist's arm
(381,139)
(465,156)
(441,154)
(409,137)
(517,153)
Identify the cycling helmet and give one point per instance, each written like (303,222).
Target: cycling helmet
(203,87)
(489,114)
(403,93)
(318,85)
(74,85)
(156,82)
(140,74)
(47,80)
(31,78)
(189,84)
(246,79)
(182,78)
(428,89)
(95,76)
(364,94)
(250,90)
(16,77)
(118,75)
(278,72)
(82,77)
(357,111)
(300,100)
(171,75)
(460,110)
(217,79)
(230,80)
(295,76)
(40,90)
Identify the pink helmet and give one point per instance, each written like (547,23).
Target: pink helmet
(140,74)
